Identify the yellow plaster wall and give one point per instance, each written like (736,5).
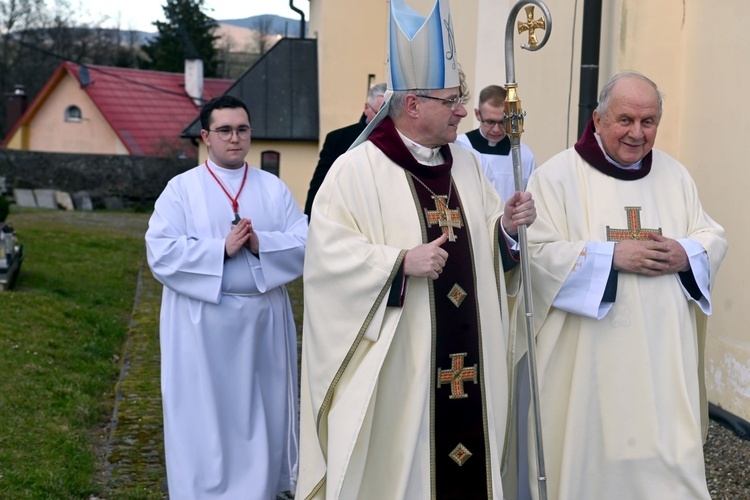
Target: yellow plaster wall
(48,130)
(20,139)
(351,46)
(713,130)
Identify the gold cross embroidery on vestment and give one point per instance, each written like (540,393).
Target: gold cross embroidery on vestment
(634,230)
(446,218)
(456,375)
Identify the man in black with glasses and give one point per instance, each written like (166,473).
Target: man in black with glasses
(493,146)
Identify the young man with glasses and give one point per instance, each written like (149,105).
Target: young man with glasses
(338,141)
(492,145)
(224,240)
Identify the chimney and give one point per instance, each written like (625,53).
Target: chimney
(15,105)
(194,80)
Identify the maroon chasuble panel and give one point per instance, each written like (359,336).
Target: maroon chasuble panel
(460,460)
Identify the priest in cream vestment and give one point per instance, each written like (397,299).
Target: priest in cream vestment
(404,372)
(624,260)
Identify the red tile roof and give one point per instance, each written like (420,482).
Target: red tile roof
(146,109)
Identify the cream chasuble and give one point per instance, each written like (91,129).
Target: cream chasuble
(622,397)
(367,371)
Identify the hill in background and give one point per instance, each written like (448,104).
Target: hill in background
(269,24)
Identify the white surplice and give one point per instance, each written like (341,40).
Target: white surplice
(499,168)
(228,339)
(622,391)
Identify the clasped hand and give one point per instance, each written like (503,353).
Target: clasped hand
(241,235)
(654,257)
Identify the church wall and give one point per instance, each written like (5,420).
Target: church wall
(351,46)
(488,55)
(714,130)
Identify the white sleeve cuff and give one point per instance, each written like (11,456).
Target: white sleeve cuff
(583,290)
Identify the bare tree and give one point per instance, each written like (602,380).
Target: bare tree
(15,16)
(264,37)
(37,38)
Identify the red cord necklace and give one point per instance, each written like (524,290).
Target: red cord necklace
(235,203)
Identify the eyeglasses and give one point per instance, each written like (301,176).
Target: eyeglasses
(375,111)
(492,123)
(453,102)
(225,133)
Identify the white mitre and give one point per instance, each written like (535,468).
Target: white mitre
(421,54)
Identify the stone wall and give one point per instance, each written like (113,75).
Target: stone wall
(136,180)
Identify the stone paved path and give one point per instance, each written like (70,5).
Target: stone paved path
(134,465)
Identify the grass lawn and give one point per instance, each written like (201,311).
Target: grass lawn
(62,330)
(65,331)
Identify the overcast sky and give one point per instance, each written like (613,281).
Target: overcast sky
(140,14)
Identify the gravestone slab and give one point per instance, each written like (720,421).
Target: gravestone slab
(82,200)
(45,198)
(24,197)
(64,200)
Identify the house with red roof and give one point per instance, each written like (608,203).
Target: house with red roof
(117,111)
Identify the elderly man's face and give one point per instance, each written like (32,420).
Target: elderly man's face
(628,127)
(437,121)
(372,108)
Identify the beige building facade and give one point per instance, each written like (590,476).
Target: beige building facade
(683,45)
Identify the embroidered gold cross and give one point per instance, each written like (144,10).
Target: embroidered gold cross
(530,25)
(634,230)
(456,375)
(444,217)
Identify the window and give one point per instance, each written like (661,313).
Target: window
(270,161)
(73,114)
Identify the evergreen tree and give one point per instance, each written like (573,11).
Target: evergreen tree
(188,33)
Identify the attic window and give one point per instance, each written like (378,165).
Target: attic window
(73,114)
